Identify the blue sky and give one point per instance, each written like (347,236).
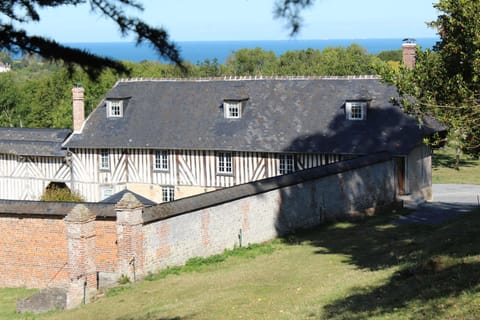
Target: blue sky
(208,20)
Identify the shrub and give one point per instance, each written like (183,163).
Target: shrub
(61,195)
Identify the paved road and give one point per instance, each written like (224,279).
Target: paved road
(449,201)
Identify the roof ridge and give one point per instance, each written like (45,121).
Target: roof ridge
(247,78)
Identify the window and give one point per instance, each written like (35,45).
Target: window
(356,110)
(105,192)
(224,163)
(115,108)
(286,164)
(232,109)
(161,160)
(168,194)
(104,159)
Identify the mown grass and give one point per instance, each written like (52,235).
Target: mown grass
(8,302)
(443,168)
(371,269)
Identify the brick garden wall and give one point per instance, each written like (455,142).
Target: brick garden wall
(106,245)
(33,252)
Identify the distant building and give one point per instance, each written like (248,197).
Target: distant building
(4,67)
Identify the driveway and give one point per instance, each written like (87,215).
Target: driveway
(449,201)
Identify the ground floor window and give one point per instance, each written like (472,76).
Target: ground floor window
(286,163)
(168,194)
(224,163)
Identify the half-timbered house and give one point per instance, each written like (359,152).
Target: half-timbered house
(167,139)
(31,160)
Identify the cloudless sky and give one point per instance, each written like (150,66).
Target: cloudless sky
(209,20)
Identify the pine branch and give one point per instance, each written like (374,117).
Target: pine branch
(18,41)
(290,10)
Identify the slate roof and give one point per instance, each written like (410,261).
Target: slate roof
(302,115)
(115,198)
(33,141)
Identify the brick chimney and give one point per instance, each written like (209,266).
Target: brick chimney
(408,52)
(78,108)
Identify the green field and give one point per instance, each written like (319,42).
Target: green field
(443,166)
(370,269)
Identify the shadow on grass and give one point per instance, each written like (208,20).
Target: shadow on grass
(447,160)
(433,262)
(405,288)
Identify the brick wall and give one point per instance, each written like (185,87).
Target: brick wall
(33,252)
(106,245)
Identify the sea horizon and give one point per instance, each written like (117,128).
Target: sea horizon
(199,51)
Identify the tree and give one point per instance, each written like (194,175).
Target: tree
(16,39)
(445,82)
(252,62)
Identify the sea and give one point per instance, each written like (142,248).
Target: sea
(199,51)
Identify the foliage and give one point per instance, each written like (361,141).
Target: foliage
(291,11)
(252,62)
(390,55)
(445,82)
(123,279)
(61,195)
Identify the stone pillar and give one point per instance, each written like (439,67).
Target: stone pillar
(78,105)
(81,256)
(130,237)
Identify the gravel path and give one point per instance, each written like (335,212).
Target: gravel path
(449,201)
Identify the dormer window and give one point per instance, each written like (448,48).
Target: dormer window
(232,109)
(115,108)
(356,110)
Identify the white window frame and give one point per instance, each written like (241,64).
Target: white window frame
(168,193)
(232,109)
(105,192)
(286,163)
(160,160)
(224,163)
(356,110)
(104,159)
(115,108)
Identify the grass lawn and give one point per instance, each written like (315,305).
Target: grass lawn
(370,269)
(443,168)
(8,302)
